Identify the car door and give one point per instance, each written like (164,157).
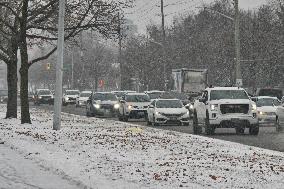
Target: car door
(150,111)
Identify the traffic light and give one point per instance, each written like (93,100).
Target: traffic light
(48,66)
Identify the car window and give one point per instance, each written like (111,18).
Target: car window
(271,92)
(104,97)
(44,92)
(153,103)
(267,102)
(85,94)
(169,104)
(137,98)
(72,92)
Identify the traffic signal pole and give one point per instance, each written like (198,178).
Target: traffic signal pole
(59,68)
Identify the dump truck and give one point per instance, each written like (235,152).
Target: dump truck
(190,81)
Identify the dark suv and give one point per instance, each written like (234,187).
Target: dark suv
(43,96)
(270,92)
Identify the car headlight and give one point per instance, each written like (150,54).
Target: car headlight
(116,106)
(158,113)
(253,107)
(97,106)
(261,113)
(40,97)
(214,107)
(129,107)
(191,107)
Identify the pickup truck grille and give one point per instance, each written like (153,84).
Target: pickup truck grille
(234,108)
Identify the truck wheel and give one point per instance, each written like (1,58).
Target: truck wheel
(126,118)
(254,129)
(240,130)
(196,129)
(277,125)
(148,121)
(209,129)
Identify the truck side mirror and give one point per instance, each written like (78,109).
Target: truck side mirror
(203,100)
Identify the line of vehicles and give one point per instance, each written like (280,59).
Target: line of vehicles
(216,107)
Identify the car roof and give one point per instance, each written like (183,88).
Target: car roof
(133,94)
(86,92)
(43,90)
(72,90)
(260,97)
(165,99)
(224,88)
(154,91)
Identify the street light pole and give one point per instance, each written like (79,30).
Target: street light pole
(72,67)
(59,68)
(239,81)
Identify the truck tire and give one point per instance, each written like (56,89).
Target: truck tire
(277,125)
(240,130)
(148,121)
(209,129)
(196,128)
(154,122)
(254,129)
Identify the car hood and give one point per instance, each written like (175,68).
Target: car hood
(231,101)
(138,104)
(267,109)
(72,96)
(108,102)
(172,110)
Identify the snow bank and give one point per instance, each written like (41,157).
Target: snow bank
(103,154)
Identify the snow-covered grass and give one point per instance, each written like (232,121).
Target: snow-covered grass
(108,154)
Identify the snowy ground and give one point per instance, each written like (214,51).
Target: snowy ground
(102,153)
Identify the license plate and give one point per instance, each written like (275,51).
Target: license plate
(173,118)
(107,111)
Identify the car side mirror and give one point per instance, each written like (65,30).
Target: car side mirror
(151,106)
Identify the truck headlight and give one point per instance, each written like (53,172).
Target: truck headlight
(214,107)
(253,107)
(261,113)
(191,107)
(97,106)
(116,106)
(39,97)
(129,107)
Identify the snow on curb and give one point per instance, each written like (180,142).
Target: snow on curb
(102,153)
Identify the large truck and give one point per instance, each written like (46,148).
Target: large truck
(190,81)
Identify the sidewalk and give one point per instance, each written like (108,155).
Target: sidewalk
(19,172)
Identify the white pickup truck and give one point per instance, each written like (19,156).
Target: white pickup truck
(225,107)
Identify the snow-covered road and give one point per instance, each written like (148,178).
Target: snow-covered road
(107,154)
(16,171)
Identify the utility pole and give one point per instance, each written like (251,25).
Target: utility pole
(239,81)
(72,69)
(59,68)
(164,43)
(119,58)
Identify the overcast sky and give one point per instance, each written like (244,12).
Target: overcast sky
(147,11)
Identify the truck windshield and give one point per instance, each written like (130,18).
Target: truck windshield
(228,94)
(169,104)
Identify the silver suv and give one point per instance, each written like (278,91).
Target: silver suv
(225,107)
